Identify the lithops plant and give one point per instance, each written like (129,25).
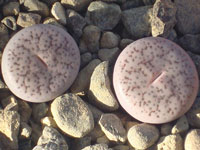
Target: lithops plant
(155,80)
(40,62)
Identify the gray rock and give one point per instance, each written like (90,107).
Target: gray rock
(131,4)
(96,113)
(37,7)
(49,2)
(39,111)
(187,18)
(85,58)
(97,147)
(48,121)
(192,140)
(105,16)
(166,129)
(51,139)
(28,19)
(124,43)
(58,12)
(12,8)
(103,140)
(25,131)
(109,54)
(72,115)
(10,22)
(190,43)
(121,147)
(164,18)
(36,132)
(181,126)
(170,142)
(10,103)
(172,36)
(4,35)
(25,144)
(149,2)
(81,143)
(75,22)
(82,46)
(96,133)
(24,110)
(82,82)
(109,40)
(100,92)
(91,37)
(77,5)
(53,21)
(137,21)
(143,136)
(115,1)
(113,128)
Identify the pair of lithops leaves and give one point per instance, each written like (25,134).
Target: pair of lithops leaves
(154,79)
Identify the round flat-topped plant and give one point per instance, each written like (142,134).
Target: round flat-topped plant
(40,62)
(155,80)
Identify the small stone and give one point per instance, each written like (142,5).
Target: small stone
(82,46)
(109,54)
(100,92)
(172,36)
(137,21)
(81,143)
(131,4)
(121,147)
(115,1)
(187,18)
(181,125)
(58,12)
(130,124)
(96,113)
(53,21)
(103,140)
(72,115)
(77,5)
(113,128)
(37,7)
(39,111)
(51,139)
(24,110)
(124,117)
(166,129)
(105,16)
(96,133)
(75,22)
(28,19)
(25,131)
(49,121)
(10,103)
(97,147)
(143,136)
(124,43)
(4,35)
(170,142)
(160,25)
(109,40)
(91,37)
(149,2)
(12,8)
(192,140)
(82,82)
(49,2)
(25,144)
(10,22)
(196,59)
(36,132)
(85,58)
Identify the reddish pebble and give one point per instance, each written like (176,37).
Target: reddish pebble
(40,62)
(155,80)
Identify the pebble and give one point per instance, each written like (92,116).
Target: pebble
(10,103)
(96,133)
(12,8)
(25,131)
(24,110)
(76,4)
(28,19)
(159,24)
(121,147)
(49,2)
(51,139)
(166,129)
(82,81)
(81,143)
(113,128)
(10,22)
(39,111)
(53,21)
(103,140)
(181,125)
(196,59)
(58,12)
(137,21)
(143,136)
(37,7)
(100,92)
(4,35)
(124,43)
(149,2)
(170,142)
(109,54)
(48,121)
(72,115)
(97,147)
(192,140)
(85,58)
(130,124)
(105,16)
(109,40)
(132,4)
(36,132)
(96,112)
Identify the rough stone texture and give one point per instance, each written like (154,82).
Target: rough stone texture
(124,43)
(109,54)
(109,40)
(131,4)
(9,129)
(100,91)
(190,42)
(24,110)
(164,18)
(82,81)
(96,133)
(37,7)
(39,111)
(91,37)
(10,22)
(192,140)
(142,136)
(36,132)
(137,21)
(4,35)
(181,125)
(149,2)
(105,16)
(77,5)
(97,147)
(58,12)
(113,128)
(75,22)
(85,58)
(187,18)
(166,129)
(28,19)
(72,115)
(25,131)
(51,139)
(53,21)
(170,142)
(81,143)
(48,121)
(11,8)
(10,103)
